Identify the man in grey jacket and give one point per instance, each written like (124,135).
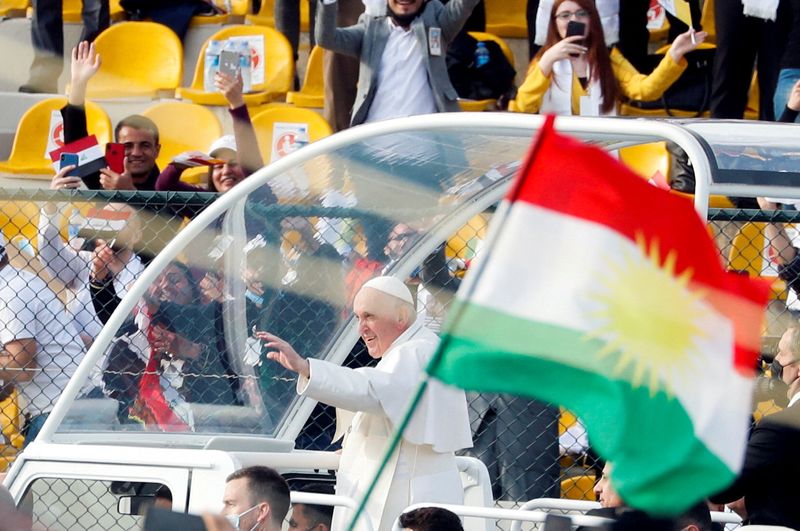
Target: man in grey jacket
(402,53)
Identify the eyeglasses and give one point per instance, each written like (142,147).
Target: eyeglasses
(566,15)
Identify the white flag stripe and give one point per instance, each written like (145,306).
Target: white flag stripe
(544,266)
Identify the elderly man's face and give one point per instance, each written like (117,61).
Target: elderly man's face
(605,493)
(791,366)
(379,320)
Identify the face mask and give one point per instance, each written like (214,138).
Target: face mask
(777,368)
(234,518)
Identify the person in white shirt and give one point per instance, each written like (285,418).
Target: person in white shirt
(403,70)
(423,468)
(94,278)
(39,345)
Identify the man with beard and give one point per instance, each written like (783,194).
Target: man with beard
(403,70)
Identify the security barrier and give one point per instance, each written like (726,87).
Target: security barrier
(292,270)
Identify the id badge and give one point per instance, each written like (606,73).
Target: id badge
(435,41)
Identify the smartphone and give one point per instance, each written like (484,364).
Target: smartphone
(115,157)
(229,63)
(576,28)
(69,159)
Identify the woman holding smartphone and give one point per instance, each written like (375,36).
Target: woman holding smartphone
(575,74)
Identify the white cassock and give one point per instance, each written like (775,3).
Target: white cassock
(423,469)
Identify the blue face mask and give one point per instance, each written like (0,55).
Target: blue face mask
(234,518)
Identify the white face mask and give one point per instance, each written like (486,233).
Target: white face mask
(234,518)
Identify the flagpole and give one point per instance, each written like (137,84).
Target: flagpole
(423,384)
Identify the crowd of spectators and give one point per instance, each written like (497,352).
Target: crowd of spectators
(382,61)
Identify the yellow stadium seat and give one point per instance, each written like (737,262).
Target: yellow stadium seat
(11,425)
(488,104)
(72,11)
(506,18)
(30,143)
(649,161)
(172,118)
(19,219)
(579,487)
(265,120)
(13,8)
(139,59)
(463,244)
(266,15)
(312,93)
(750,253)
(278,65)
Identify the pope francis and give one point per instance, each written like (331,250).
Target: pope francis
(423,469)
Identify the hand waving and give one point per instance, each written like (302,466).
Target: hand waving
(283,353)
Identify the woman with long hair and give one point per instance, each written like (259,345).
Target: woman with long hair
(578,75)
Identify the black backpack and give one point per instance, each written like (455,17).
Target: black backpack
(491,81)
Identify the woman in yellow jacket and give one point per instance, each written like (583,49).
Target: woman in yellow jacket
(578,75)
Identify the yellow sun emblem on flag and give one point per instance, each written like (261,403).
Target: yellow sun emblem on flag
(648,316)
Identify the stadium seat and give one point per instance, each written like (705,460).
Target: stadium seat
(489,104)
(578,487)
(278,65)
(11,425)
(140,59)
(750,253)
(264,123)
(172,118)
(13,8)
(506,18)
(649,161)
(312,93)
(30,142)
(266,16)
(464,243)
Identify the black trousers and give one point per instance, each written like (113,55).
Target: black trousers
(287,21)
(742,42)
(47,34)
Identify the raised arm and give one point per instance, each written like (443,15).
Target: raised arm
(58,258)
(340,40)
(247,151)
(650,87)
(453,17)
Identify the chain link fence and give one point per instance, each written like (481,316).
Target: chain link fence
(176,366)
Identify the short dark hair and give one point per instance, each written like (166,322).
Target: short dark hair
(318,514)
(266,485)
(137,121)
(431,519)
(698,515)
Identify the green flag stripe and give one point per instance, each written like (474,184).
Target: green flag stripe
(622,421)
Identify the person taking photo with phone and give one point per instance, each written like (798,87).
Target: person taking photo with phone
(575,74)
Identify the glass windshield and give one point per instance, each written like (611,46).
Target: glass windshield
(760,153)
(287,259)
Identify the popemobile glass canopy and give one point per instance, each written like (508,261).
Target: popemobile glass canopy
(290,263)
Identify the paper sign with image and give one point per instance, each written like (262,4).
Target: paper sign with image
(287,138)
(256,44)
(55,133)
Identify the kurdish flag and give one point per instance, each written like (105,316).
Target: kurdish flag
(604,294)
